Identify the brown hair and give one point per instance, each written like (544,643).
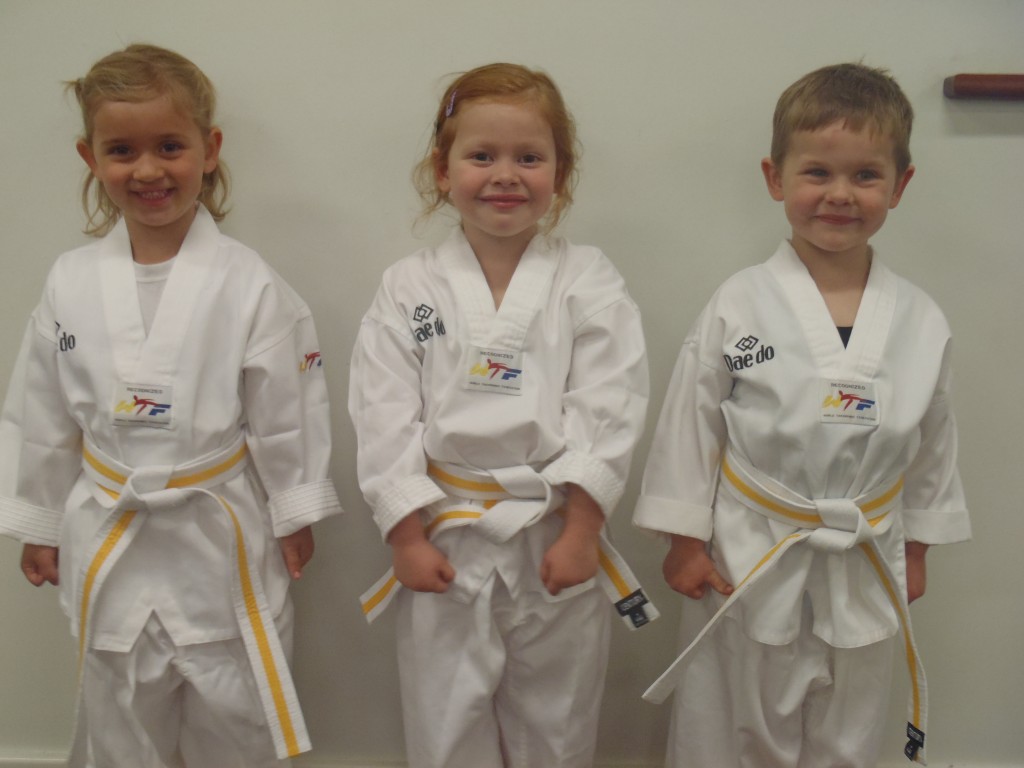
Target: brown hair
(853,93)
(508,83)
(140,73)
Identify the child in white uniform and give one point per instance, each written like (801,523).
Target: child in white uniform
(499,385)
(805,458)
(168,421)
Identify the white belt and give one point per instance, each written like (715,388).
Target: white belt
(514,498)
(144,490)
(831,525)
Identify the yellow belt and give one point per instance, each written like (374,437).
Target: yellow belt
(142,491)
(513,499)
(833,525)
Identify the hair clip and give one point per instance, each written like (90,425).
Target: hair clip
(451,105)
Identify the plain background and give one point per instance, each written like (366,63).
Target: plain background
(326,107)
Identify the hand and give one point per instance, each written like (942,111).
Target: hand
(418,564)
(39,564)
(573,558)
(689,570)
(297,549)
(917,574)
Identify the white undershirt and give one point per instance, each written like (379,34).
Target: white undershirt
(150,280)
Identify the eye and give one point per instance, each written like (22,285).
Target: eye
(480,157)
(530,159)
(170,147)
(119,150)
(816,173)
(868,175)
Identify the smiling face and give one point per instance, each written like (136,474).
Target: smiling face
(838,186)
(150,158)
(500,172)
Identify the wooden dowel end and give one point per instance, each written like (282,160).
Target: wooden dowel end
(984,87)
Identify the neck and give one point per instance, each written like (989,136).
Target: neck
(498,259)
(841,281)
(153,245)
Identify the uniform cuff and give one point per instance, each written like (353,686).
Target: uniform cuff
(673,517)
(930,527)
(591,474)
(28,523)
(404,498)
(303,505)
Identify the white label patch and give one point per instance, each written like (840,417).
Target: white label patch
(142,405)
(848,402)
(494,370)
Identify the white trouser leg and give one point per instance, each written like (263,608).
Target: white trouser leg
(161,706)
(549,699)
(805,704)
(500,682)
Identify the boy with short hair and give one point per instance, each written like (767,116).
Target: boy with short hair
(805,457)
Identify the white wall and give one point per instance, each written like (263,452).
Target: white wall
(325,108)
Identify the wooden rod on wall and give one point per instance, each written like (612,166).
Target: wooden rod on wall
(984,87)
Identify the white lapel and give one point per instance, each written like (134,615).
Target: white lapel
(528,289)
(154,359)
(870,329)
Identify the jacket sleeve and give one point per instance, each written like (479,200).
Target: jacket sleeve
(681,476)
(934,508)
(386,406)
(287,413)
(605,400)
(40,444)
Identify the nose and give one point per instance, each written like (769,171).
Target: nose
(839,191)
(505,172)
(147,168)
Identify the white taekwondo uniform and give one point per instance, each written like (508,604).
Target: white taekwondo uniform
(122,442)
(766,397)
(449,395)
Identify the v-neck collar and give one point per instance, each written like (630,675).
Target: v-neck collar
(507,326)
(153,359)
(861,357)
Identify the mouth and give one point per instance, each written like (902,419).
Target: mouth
(153,195)
(835,220)
(504,201)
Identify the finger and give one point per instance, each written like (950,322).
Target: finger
(447,573)
(293,562)
(719,584)
(553,587)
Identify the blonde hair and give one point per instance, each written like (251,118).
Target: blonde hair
(505,83)
(853,93)
(136,74)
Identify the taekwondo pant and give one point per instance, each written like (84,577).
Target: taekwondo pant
(502,682)
(806,704)
(163,706)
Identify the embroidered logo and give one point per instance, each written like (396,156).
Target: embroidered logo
(843,400)
(493,368)
(146,406)
(748,358)
(426,330)
(310,361)
(65,341)
(848,402)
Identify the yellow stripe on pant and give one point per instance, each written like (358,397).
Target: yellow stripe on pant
(256,623)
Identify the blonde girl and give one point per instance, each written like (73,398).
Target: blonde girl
(163,393)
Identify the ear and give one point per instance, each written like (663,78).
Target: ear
(773,178)
(440,171)
(213,143)
(86,153)
(897,193)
